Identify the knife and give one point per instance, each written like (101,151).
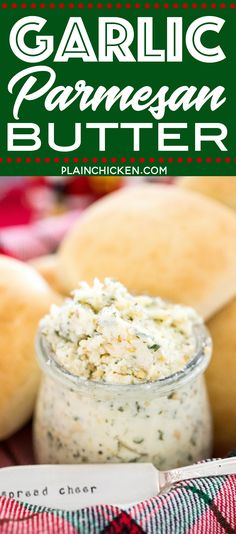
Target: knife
(71,487)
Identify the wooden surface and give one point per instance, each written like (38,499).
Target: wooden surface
(18,449)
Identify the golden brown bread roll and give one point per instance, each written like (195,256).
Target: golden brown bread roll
(221,378)
(46,266)
(221,375)
(156,239)
(24,299)
(221,188)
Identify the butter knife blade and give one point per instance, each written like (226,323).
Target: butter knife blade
(71,487)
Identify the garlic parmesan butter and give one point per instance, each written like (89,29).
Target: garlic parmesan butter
(105,333)
(123,380)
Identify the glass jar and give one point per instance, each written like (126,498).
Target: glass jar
(166,422)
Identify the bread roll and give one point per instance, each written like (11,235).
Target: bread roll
(156,239)
(24,299)
(221,378)
(221,188)
(46,266)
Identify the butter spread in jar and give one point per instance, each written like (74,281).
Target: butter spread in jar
(123,380)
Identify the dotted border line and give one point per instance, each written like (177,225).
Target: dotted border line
(117,160)
(117,6)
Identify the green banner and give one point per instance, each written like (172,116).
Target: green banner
(117,88)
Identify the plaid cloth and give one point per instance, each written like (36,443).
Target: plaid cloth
(39,238)
(204,506)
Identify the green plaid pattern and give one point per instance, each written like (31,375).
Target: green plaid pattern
(203,506)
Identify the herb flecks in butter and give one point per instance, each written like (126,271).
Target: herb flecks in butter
(103,333)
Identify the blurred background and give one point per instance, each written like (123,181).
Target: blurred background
(36,213)
(30,206)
